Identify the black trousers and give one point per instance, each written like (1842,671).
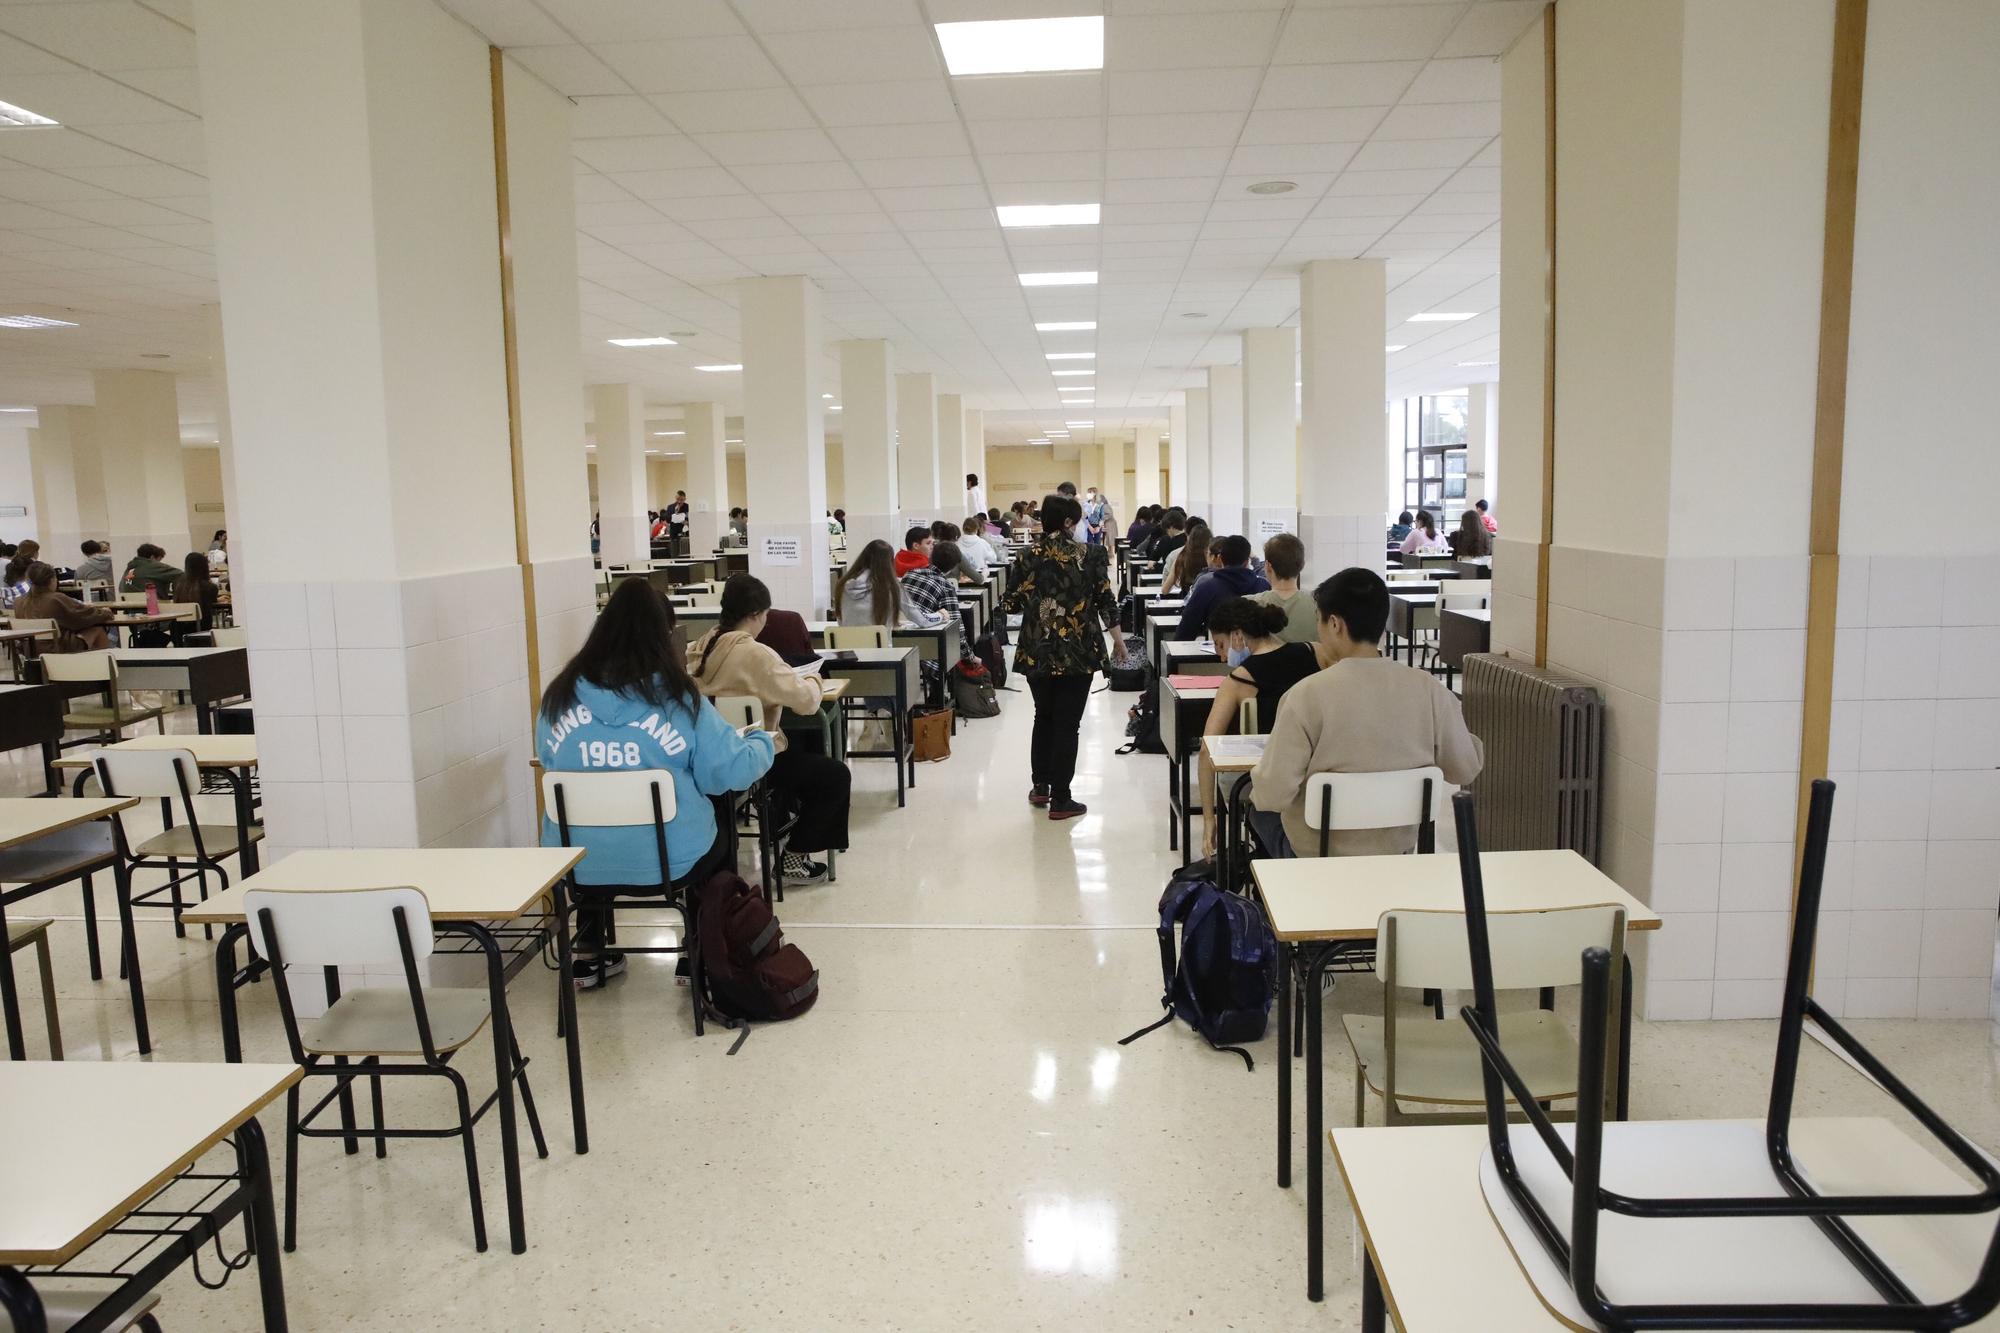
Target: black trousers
(593,914)
(1059,704)
(816,788)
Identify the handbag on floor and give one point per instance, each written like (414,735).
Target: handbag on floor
(930,733)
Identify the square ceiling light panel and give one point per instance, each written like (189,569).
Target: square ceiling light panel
(1047,215)
(1022,46)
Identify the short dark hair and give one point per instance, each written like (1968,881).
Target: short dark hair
(945,557)
(945,532)
(914,535)
(972,478)
(1286,555)
(148,549)
(1068,488)
(1480,505)
(1056,508)
(1231,550)
(1406,517)
(90,547)
(1175,517)
(1360,598)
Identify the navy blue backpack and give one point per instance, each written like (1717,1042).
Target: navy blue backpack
(1226,973)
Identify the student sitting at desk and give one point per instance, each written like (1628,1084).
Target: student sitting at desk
(1364,714)
(79,628)
(199,589)
(626,702)
(1401,527)
(732,659)
(916,552)
(1284,561)
(14,583)
(1171,536)
(943,533)
(1189,564)
(149,567)
(1470,539)
(1424,536)
(1231,576)
(1262,667)
(975,549)
(95,567)
(868,592)
(930,594)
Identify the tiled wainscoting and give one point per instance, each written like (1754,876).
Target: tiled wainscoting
(1336,542)
(394,713)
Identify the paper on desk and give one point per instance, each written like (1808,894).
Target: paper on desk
(811,668)
(1236,747)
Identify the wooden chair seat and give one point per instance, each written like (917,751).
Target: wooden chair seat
(378,1020)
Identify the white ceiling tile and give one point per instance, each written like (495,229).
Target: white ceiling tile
(1379,83)
(1250,208)
(1031,96)
(1190,41)
(625,235)
(1200,129)
(1140,93)
(32,185)
(651,152)
(177,143)
(811,15)
(624,114)
(83,99)
(1285,159)
(1474,180)
(1388,182)
(1120,215)
(1470,80)
(1152,163)
(1318,125)
(692,64)
(598,21)
(961,11)
(570,70)
(681,181)
(933,196)
(860,142)
(507,23)
(1372,206)
(721,231)
(1044,168)
(1390,32)
(832,224)
(1443,120)
(1447,201)
(822,201)
(856,55)
(1415,154)
(905,102)
(121,212)
(1152,231)
(109,36)
(759,147)
(723,111)
(1084,189)
(896,172)
(151,181)
(18,57)
(1038,136)
(1463,226)
(1489,156)
(1489,28)
(180,87)
(613,212)
(800,176)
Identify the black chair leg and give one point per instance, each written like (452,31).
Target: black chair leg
(291,1168)
(375,1100)
(201,883)
(174,875)
(527,1098)
(346,1105)
(471,1159)
(90,931)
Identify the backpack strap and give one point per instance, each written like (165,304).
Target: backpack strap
(764,937)
(1216,900)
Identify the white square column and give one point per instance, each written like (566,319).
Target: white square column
(975,452)
(707,440)
(784,441)
(1482,444)
(1270,434)
(1197,497)
(951,466)
(1146,466)
(916,450)
(1116,492)
(139,439)
(618,414)
(868,442)
(61,450)
(1225,449)
(1176,489)
(1344,479)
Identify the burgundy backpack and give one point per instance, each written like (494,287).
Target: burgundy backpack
(748,969)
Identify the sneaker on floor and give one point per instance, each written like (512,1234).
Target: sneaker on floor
(801,869)
(1038,795)
(1064,808)
(590,973)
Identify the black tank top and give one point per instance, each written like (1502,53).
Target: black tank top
(1275,672)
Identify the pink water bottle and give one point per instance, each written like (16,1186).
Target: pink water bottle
(152,599)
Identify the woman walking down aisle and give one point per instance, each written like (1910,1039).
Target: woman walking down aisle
(1062,591)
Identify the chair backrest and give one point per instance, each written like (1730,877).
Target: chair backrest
(613,799)
(231,636)
(38,626)
(1473,598)
(857,636)
(339,927)
(1246,718)
(148,773)
(1336,801)
(740,710)
(95,665)
(1399,575)
(1429,950)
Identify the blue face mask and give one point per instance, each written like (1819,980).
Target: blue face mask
(1238,656)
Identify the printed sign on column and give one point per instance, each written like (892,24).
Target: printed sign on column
(783,551)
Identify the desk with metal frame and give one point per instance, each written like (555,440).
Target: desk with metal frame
(487,895)
(1231,797)
(938,644)
(1183,714)
(33,715)
(109,1152)
(1323,908)
(1403,608)
(901,663)
(207,675)
(1461,633)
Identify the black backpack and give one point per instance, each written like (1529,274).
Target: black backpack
(747,969)
(992,654)
(1143,719)
(1225,974)
(972,691)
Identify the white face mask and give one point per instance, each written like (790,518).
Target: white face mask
(1079,536)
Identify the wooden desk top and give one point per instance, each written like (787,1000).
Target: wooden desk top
(462,883)
(1446,1265)
(231,751)
(1232,763)
(1203,695)
(15,635)
(26,818)
(167,654)
(832,689)
(83,1142)
(1343,897)
(1479,613)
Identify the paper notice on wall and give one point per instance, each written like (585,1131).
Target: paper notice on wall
(1268,528)
(783,551)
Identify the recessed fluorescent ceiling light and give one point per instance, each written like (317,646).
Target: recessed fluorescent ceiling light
(1440,317)
(34,322)
(1079,278)
(732,441)
(715,369)
(1047,215)
(1079,424)
(642,342)
(1395,347)
(20,118)
(16,409)
(1022,46)
(827,396)
(1060,373)
(834,408)
(1067,326)
(669,434)
(1479,363)
(1072,356)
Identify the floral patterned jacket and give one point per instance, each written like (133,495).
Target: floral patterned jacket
(1062,591)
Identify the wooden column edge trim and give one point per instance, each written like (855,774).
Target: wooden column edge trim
(1548,335)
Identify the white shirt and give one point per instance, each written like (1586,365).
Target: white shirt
(975,500)
(978,551)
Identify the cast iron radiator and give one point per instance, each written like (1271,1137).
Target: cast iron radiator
(1544,736)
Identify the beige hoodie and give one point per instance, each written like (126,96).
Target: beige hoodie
(725,663)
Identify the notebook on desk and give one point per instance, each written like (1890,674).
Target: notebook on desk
(1192,681)
(1236,747)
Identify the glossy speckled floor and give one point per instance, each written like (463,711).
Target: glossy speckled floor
(951,1139)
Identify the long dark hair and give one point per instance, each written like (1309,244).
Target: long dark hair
(1193,557)
(878,561)
(630,650)
(1473,539)
(194,580)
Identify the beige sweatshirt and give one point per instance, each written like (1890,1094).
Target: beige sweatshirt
(1361,715)
(734,663)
